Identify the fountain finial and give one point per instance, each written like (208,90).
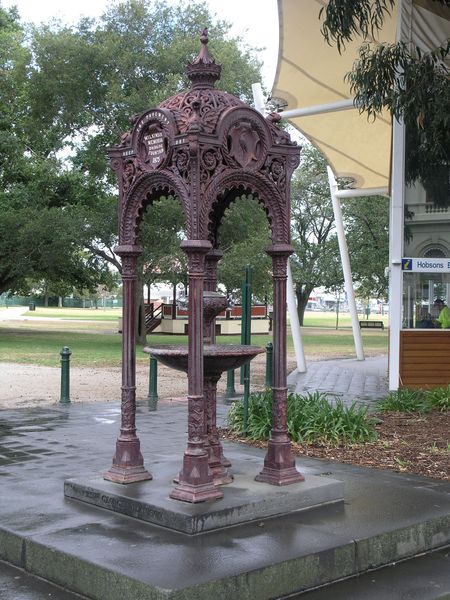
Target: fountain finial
(203,71)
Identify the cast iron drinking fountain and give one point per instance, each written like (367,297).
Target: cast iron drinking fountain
(206,148)
(216,360)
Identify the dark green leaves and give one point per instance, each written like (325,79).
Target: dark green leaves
(410,84)
(342,20)
(311,419)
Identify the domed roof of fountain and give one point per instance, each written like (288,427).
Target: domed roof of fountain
(203,103)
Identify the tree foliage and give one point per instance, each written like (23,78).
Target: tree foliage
(67,93)
(244,237)
(343,20)
(161,232)
(315,261)
(367,232)
(411,84)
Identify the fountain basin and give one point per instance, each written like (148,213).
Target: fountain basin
(217,358)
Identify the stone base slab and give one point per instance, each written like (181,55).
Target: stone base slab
(244,500)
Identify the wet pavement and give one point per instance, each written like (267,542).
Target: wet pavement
(16,584)
(363,382)
(386,517)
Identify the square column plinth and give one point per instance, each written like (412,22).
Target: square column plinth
(244,500)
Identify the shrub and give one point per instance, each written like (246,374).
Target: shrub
(439,398)
(420,401)
(259,420)
(312,418)
(404,400)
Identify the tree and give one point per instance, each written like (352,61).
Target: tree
(315,261)
(244,237)
(411,84)
(73,89)
(367,232)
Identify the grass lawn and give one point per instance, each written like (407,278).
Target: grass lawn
(84,314)
(328,319)
(99,345)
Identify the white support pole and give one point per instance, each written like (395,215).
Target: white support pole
(348,282)
(396,252)
(258,97)
(358,193)
(295,323)
(318,109)
(396,231)
(291,304)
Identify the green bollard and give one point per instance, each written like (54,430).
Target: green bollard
(152,397)
(246,334)
(269,364)
(246,377)
(230,392)
(65,375)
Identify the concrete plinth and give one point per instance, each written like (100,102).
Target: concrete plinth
(245,500)
(104,555)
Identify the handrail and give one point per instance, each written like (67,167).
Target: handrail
(152,318)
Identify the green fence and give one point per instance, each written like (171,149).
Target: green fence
(53,301)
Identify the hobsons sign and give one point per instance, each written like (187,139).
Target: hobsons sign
(426,265)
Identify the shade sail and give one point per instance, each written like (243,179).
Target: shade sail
(311,72)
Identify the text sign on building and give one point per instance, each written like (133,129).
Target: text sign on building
(426,265)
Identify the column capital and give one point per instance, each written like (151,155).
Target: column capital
(214,255)
(128,250)
(280,249)
(196,246)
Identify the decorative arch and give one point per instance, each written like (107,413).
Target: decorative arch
(225,188)
(148,188)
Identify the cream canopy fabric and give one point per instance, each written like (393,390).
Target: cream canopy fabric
(310,73)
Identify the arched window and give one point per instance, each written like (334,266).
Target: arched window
(435,252)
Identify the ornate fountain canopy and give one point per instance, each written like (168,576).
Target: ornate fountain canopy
(203,99)
(203,71)
(206,147)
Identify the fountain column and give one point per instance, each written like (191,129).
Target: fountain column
(196,483)
(128,463)
(210,285)
(279,463)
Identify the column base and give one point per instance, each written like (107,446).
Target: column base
(127,474)
(195,482)
(218,463)
(221,475)
(196,493)
(279,465)
(128,463)
(224,461)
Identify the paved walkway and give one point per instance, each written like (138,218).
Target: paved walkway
(106,556)
(363,382)
(13,314)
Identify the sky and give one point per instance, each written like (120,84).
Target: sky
(255,20)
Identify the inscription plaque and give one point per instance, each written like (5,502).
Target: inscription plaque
(151,139)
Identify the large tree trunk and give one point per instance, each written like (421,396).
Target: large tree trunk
(174,301)
(46,296)
(302,294)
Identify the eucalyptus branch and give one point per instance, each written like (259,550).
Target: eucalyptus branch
(343,19)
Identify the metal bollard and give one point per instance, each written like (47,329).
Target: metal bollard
(65,375)
(230,392)
(245,370)
(269,364)
(152,397)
